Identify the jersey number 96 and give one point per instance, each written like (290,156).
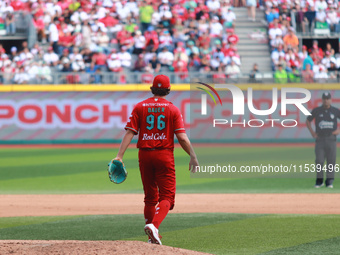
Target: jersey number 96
(150,119)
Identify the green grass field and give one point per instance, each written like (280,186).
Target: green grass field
(60,171)
(75,171)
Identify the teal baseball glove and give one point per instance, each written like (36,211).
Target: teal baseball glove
(117,171)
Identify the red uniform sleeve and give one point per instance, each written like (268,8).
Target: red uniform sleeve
(133,123)
(178,121)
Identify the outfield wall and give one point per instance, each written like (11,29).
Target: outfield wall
(38,114)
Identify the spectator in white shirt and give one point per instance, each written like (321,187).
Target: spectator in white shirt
(26,55)
(273,32)
(215,27)
(107,3)
(51,58)
(321,76)
(326,61)
(49,5)
(304,53)
(321,4)
(21,77)
(47,19)
(101,11)
(98,25)
(113,63)
(165,57)
(213,5)
(79,16)
(320,15)
(75,54)
(133,7)
(139,45)
(45,73)
(103,41)
(156,18)
(54,34)
(124,12)
(338,62)
(332,18)
(277,41)
(233,70)
(318,66)
(165,40)
(229,17)
(33,71)
(78,64)
(5,8)
(124,57)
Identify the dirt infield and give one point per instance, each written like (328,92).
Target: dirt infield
(30,247)
(89,204)
(48,205)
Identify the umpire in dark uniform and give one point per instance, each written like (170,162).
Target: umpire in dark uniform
(326,123)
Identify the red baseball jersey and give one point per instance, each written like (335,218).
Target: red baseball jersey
(156,120)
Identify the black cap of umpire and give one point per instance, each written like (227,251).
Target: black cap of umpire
(326,95)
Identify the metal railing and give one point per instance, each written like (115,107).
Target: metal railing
(310,29)
(102,78)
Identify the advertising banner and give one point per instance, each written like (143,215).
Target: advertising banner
(101,116)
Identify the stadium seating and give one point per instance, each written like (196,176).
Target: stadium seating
(192,32)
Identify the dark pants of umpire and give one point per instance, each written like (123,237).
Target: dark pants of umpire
(325,148)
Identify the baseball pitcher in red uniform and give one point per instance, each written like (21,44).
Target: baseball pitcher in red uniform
(156,120)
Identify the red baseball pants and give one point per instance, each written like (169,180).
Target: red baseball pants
(157,169)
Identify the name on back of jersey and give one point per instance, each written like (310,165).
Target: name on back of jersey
(156,109)
(154,136)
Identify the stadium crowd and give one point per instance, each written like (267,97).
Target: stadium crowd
(292,61)
(92,37)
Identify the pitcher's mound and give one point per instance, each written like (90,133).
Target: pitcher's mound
(41,247)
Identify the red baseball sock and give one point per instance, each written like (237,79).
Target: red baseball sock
(161,211)
(149,213)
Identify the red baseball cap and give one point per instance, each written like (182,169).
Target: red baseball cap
(161,81)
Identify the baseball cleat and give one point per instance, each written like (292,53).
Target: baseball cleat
(152,232)
(318,185)
(330,186)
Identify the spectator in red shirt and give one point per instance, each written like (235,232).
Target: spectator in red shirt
(99,60)
(201,10)
(315,48)
(40,27)
(108,21)
(127,41)
(64,4)
(315,54)
(232,37)
(86,5)
(181,68)
(180,11)
(66,41)
(39,11)
(121,35)
(203,40)
(151,39)
(308,74)
(17,5)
